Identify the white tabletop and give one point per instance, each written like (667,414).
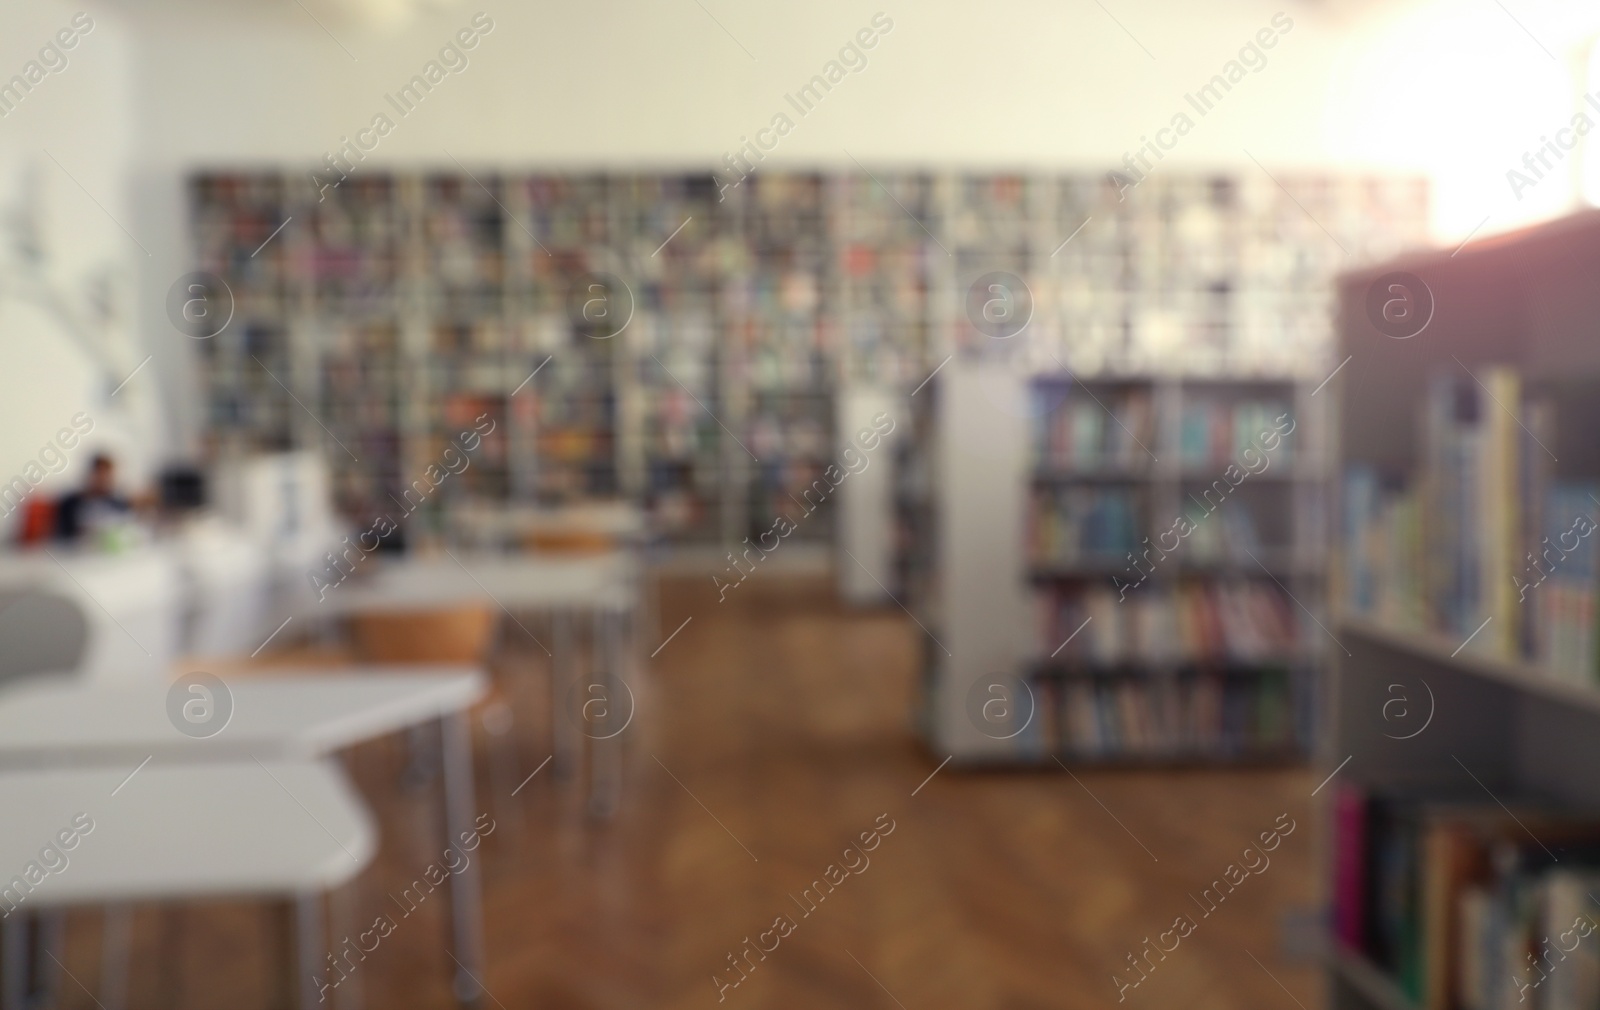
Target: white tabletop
(289,715)
(603,580)
(180,831)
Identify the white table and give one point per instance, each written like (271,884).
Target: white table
(607,580)
(275,717)
(278,715)
(498,525)
(605,586)
(183,832)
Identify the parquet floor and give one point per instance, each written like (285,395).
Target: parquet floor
(773,731)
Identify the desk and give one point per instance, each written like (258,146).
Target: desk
(183,832)
(516,582)
(604,586)
(280,717)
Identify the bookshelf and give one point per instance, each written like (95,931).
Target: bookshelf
(401,299)
(1153,311)
(1457,697)
(1024,564)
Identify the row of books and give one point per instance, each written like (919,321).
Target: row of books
(475,237)
(1095,527)
(1233,621)
(1078,432)
(1467,904)
(1144,718)
(1073,526)
(1218,433)
(1484,533)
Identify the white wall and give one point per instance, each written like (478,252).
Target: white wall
(80,118)
(1028,82)
(1456,90)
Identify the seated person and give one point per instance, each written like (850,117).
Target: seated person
(80,513)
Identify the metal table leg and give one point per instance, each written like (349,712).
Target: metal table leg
(14,961)
(116,947)
(605,786)
(341,913)
(466,887)
(310,955)
(563,735)
(51,945)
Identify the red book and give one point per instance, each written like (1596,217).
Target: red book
(1349,867)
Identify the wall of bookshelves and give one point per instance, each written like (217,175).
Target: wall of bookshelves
(400,301)
(1464,840)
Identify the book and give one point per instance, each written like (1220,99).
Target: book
(1485,545)
(1127,716)
(1467,904)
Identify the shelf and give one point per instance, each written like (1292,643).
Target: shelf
(1186,475)
(1372,982)
(1245,759)
(1057,669)
(1091,476)
(1444,651)
(1274,758)
(1199,474)
(1221,568)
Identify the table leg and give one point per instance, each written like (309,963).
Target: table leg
(51,946)
(342,903)
(563,741)
(14,961)
(466,893)
(116,947)
(310,954)
(605,785)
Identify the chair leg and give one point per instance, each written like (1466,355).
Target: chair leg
(116,946)
(499,722)
(422,759)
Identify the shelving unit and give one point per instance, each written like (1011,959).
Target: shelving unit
(1187,291)
(435,293)
(1484,720)
(674,452)
(1198,652)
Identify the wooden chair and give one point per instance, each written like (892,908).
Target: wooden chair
(456,635)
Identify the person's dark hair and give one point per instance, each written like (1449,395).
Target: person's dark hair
(100,461)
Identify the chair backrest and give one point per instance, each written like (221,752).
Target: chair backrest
(447,635)
(41,632)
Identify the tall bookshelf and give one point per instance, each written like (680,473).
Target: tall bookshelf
(399,302)
(1437,695)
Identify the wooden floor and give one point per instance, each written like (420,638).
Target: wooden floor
(772,731)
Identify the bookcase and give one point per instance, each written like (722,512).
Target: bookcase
(1464,719)
(400,300)
(1166,319)
(1127,562)
(401,305)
